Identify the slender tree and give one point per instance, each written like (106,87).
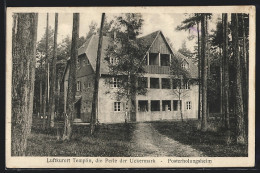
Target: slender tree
(180,77)
(126,61)
(45,100)
(204,71)
(199,66)
(53,79)
(97,76)
(23,76)
(226,70)
(188,24)
(238,87)
(72,79)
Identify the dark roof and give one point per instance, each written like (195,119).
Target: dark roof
(90,50)
(148,40)
(91,46)
(193,69)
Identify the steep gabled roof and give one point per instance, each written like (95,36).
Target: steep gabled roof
(91,46)
(90,49)
(193,69)
(148,40)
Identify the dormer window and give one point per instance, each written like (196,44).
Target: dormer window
(185,65)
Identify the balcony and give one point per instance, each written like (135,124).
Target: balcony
(155,69)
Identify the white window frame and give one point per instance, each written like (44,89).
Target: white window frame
(188,105)
(187,85)
(117,106)
(115,82)
(78,86)
(113,60)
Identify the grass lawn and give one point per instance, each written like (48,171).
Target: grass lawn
(212,143)
(109,140)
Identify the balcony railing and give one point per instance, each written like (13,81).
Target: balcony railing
(155,69)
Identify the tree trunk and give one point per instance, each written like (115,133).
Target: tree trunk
(204,71)
(23,76)
(221,82)
(97,76)
(41,88)
(45,102)
(199,69)
(245,70)
(53,79)
(239,98)
(226,70)
(72,80)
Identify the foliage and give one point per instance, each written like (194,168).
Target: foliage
(128,53)
(185,51)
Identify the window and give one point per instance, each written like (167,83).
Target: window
(154,83)
(187,85)
(78,63)
(155,105)
(142,105)
(185,65)
(115,83)
(166,105)
(142,82)
(153,58)
(113,60)
(165,59)
(188,105)
(78,86)
(117,107)
(166,83)
(175,105)
(89,85)
(87,62)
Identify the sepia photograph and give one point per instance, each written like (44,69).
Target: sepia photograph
(104,87)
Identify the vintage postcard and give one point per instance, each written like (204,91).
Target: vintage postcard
(130,87)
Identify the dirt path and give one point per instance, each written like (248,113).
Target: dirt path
(147,141)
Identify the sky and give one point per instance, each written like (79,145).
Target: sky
(166,22)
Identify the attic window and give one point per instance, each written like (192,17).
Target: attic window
(153,59)
(165,59)
(185,65)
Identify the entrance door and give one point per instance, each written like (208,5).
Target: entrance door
(77,107)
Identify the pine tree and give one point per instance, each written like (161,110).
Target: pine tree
(53,79)
(126,60)
(23,76)
(204,71)
(238,88)
(97,75)
(72,79)
(45,100)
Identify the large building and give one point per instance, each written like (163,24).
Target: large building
(161,101)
